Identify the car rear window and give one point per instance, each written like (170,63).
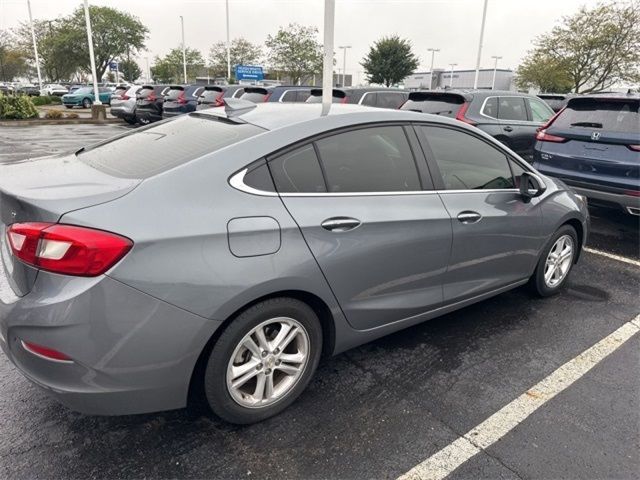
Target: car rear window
(607,114)
(253,97)
(210,95)
(151,150)
(145,91)
(174,93)
(445,105)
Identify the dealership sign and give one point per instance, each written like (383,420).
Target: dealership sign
(249,72)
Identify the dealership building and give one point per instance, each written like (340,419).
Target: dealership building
(460,79)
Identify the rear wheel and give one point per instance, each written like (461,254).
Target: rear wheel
(556,262)
(130,120)
(263,360)
(86,103)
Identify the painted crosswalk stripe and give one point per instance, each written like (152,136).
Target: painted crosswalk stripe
(495,427)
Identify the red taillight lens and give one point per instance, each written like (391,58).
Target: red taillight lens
(124,96)
(461,114)
(181,99)
(344,100)
(635,148)
(47,353)
(543,136)
(219,100)
(152,97)
(67,249)
(632,193)
(266,97)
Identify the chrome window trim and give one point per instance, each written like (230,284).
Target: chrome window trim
(237,182)
(524,122)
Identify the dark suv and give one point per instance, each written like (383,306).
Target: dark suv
(593,145)
(290,94)
(149,100)
(372,97)
(180,99)
(556,100)
(512,118)
(213,95)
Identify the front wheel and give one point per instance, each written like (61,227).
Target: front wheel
(556,262)
(86,103)
(263,360)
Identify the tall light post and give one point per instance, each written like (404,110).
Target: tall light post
(92,58)
(148,70)
(484,17)
(433,55)
(451,77)
(184,51)
(495,67)
(35,45)
(344,63)
(228,46)
(327,61)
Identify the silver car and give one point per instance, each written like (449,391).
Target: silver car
(123,102)
(231,248)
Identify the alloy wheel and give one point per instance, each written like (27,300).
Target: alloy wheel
(268,362)
(558,261)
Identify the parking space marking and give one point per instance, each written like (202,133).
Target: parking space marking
(612,256)
(495,427)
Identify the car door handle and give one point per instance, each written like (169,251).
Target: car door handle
(468,216)
(508,129)
(340,224)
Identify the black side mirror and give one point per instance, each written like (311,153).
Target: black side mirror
(531,186)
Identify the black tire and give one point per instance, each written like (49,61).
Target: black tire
(130,120)
(215,376)
(143,120)
(537,281)
(86,103)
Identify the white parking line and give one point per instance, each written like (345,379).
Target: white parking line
(630,261)
(507,418)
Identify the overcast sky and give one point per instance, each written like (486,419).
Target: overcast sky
(453,26)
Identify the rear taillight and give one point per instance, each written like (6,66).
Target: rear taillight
(67,249)
(635,148)
(461,114)
(124,96)
(181,99)
(266,97)
(543,136)
(46,352)
(219,101)
(632,193)
(344,100)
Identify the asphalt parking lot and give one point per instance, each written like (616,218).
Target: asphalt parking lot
(383,409)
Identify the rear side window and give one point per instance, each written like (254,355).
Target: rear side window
(466,162)
(298,171)
(370,99)
(289,96)
(540,111)
(390,99)
(609,115)
(512,108)
(490,108)
(377,159)
(148,151)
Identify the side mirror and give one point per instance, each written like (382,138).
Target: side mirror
(531,186)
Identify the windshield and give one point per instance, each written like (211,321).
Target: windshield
(149,151)
(83,90)
(607,114)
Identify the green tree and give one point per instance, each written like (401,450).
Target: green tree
(13,60)
(242,52)
(168,69)
(389,61)
(130,70)
(544,73)
(595,49)
(115,33)
(295,51)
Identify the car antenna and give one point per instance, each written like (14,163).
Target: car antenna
(234,107)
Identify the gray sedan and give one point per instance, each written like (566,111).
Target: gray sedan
(231,248)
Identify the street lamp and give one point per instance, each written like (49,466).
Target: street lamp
(92,58)
(35,45)
(433,54)
(495,67)
(327,59)
(184,53)
(484,17)
(451,77)
(344,63)
(228,46)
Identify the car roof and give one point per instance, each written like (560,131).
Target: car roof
(272,116)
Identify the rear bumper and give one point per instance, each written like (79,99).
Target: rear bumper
(132,353)
(122,111)
(628,203)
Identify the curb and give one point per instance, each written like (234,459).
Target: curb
(68,121)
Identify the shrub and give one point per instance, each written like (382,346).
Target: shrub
(17,107)
(54,114)
(46,100)
(72,115)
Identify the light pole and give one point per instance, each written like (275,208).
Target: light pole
(148,70)
(495,67)
(184,52)
(35,45)
(327,61)
(451,77)
(344,63)
(228,46)
(484,17)
(92,58)
(433,55)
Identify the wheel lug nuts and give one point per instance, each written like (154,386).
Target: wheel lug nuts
(267,371)
(259,366)
(276,351)
(264,353)
(278,362)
